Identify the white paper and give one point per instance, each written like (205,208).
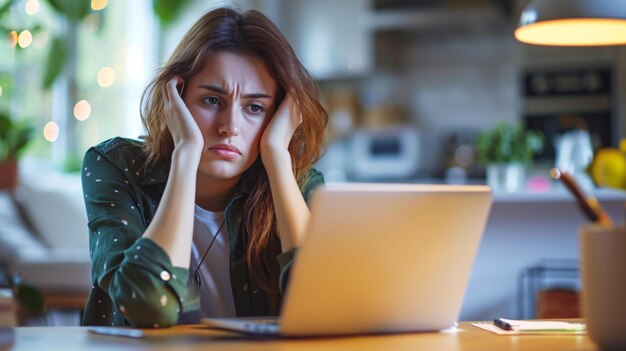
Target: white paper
(523,325)
(579,329)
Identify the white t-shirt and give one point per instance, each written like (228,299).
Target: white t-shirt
(216,296)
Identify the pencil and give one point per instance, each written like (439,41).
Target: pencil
(588,204)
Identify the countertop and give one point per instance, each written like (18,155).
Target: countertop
(543,191)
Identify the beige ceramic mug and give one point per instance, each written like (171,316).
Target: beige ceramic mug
(603,267)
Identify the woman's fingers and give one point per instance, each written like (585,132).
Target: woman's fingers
(283,124)
(180,122)
(171,88)
(288,116)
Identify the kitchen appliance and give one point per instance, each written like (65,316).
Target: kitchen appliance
(560,101)
(384,154)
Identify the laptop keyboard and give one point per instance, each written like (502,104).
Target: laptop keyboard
(263,326)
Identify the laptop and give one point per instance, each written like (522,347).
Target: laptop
(379,258)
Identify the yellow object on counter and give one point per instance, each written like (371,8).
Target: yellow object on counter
(608,168)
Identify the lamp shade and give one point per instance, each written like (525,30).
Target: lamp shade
(573,23)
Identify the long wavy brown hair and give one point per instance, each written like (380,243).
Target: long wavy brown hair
(244,33)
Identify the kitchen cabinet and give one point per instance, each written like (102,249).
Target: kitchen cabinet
(335,39)
(330,37)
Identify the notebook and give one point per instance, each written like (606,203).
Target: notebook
(379,258)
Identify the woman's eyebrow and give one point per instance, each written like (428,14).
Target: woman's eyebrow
(257,96)
(222,91)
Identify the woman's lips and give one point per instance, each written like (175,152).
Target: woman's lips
(226,151)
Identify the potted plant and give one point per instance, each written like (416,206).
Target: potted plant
(506,150)
(14,136)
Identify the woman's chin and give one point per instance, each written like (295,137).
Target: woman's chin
(220,170)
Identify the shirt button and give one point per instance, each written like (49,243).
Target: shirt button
(165,275)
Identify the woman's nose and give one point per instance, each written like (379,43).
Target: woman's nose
(228,124)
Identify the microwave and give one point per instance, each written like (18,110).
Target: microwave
(384,154)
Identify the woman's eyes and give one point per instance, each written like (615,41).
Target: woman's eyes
(211,100)
(252,108)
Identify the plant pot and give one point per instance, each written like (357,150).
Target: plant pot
(508,177)
(8,174)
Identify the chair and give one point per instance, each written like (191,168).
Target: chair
(44,240)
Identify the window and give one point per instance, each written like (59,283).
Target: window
(110,57)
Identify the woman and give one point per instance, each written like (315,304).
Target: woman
(205,214)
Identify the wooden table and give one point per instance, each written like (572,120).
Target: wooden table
(194,337)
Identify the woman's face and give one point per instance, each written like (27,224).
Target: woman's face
(231,100)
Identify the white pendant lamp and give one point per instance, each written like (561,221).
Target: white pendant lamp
(573,23)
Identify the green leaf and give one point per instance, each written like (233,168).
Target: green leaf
(168,10)
(37,28)
(75,10)
(5,125)
(56,60)
(18,137)
(6,6)
(14,136)
(28,296)
(508,143)
(4,153)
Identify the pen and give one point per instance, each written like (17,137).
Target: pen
(117,331)
(588,204)
(498,322)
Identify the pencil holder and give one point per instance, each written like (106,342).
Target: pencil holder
(603,268)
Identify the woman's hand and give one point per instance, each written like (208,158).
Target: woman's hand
(180,122)
(292,214)
(280,130)
(172,225)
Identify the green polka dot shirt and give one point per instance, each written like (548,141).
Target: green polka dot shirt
(134,281)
